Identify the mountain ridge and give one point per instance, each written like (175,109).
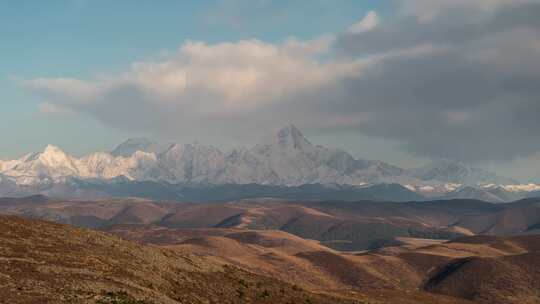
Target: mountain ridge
(288,159)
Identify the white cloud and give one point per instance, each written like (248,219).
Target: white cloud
(201,82)
(229,86)
(368,23)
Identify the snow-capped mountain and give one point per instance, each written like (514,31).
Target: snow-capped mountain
(50,165)
(287,159)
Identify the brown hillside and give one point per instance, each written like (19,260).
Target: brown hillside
(509,279)
(44,262)
(298,261)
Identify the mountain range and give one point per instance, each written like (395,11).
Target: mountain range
(287,160)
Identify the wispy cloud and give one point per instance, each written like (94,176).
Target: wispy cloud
(366,24)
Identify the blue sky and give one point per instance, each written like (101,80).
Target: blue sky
(82,38)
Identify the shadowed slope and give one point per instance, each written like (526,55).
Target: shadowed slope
(487,269)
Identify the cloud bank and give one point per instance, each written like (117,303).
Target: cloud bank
(452,79)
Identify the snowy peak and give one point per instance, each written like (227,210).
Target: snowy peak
(291,137)
(39,168)
(51,158)
(54,156)
(288,158)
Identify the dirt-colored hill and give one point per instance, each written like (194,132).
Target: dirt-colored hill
(507,279)
(441,267)
(267,252)
(54,263)
(363,250)
(520,217)
(43,262)
(484,269)
(321,220)
(341,225)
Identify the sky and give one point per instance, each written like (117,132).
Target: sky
(405,81)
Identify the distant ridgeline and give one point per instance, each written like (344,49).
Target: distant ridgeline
(288,166)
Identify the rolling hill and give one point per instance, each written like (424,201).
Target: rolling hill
(341,225)
(379,252)
(43,262)
(53,263)
(482,269)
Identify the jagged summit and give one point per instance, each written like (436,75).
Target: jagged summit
(54,158)
(49,152)
(52,151)
(290,136)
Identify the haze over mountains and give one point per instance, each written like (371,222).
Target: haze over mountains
(288,160)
